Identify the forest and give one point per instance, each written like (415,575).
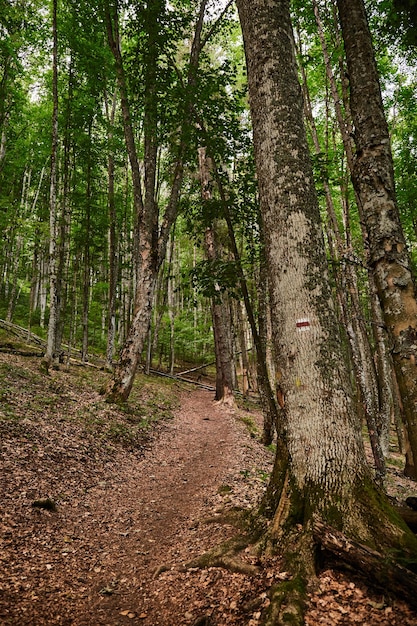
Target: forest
(224,192)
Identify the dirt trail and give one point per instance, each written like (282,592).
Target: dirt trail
(153,507)
(127,519)
(108,555)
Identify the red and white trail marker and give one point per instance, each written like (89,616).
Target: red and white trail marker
(303,324)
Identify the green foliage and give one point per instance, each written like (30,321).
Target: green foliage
(212,278)
(156,39)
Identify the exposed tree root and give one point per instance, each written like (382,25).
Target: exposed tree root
(300,548)
(235,516)
(225,556)
(382,569)
(288,599)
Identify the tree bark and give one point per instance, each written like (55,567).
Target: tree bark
(222,345)
(152,241)
(373,180)
(324,474)
(53,298)
(87,254)
(113,260)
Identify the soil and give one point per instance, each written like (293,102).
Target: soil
(98,530)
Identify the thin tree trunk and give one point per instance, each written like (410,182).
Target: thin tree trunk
(17,246)
(224,359)
(171,304)
(152,241)
(3,143)
(270,410)
(87,253)
(113,264)
(243,349)
(63,251)
(52,325)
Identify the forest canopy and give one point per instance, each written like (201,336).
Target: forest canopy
(95,226)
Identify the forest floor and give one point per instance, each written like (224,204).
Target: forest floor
(136,493)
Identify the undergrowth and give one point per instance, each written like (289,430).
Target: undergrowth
(70,395)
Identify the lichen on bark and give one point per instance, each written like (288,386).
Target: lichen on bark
(321,474)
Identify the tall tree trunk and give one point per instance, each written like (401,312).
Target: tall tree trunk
(63,251)
(323,475)
(36,278)
(222,344)
(152,241)
(86,272)
(171,303)
(3,143)
(348,295)
(53,303)
(373,179)
(17,244)
(113,264)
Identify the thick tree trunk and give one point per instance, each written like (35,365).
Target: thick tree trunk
(306,336)
(373,179)
(324,475)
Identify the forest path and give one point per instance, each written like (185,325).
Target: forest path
(110,554)
(127,519)
(151,512)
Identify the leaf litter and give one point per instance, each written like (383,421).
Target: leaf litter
(128,500)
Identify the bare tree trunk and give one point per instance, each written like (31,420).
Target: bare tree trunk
(113,264)
(222,345)
(243,348)
(53,304)
(373,179)
(64,224)
(152,240)
(321,473)
(171,304)
(16,248)
(3,143)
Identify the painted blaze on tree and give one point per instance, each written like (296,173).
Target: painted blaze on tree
(321,473)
